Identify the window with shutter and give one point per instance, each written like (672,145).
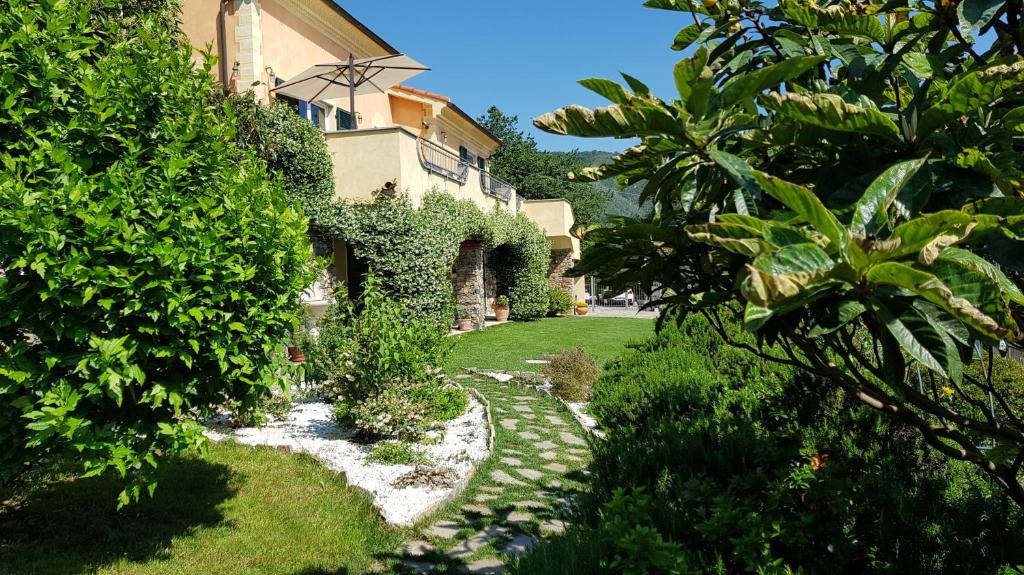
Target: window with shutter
(343,120)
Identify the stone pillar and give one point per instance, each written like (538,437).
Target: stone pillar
(468,281)
(490,283)
(561,262)
(249,36)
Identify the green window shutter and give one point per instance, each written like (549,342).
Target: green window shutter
(343,120)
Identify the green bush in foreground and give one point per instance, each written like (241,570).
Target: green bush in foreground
(718,462)
(150,269)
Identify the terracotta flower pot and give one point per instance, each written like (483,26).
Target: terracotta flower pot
(501,312)
(464,325)
(296,355)
(582,310)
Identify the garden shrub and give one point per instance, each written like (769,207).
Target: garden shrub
(289,144)
(412,251)
(379,362)
(392,413)
(750,467)
(559,302)
(572,373)
(151,269)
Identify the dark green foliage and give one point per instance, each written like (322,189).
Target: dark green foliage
(413,251)
(366,346)
(289,144)
(538,175)
(129,14)
(151,270)
(381,364)
(849,175)
(572,373)
(622,200)
(751,468)
(559,302)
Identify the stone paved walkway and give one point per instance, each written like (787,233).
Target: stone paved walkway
(519,494)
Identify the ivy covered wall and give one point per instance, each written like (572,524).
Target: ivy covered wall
(413,250)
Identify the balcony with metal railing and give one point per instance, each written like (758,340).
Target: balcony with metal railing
(496,188)
(438,160)
(370,159)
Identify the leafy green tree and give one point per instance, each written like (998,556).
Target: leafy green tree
(846,177)
(539,175)
(289,144)
(150,269)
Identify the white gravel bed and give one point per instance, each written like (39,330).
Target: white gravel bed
(309,429)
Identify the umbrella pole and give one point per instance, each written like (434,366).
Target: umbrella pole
(352,91)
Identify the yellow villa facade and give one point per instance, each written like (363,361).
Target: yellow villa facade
(410,139)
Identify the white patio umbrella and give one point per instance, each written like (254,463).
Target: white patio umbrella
(348,79)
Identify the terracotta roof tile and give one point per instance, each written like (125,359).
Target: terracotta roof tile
(423,93)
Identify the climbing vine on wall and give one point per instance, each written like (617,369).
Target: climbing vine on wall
(413,250)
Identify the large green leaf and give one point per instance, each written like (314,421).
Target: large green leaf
(831,112)
(778,276)
(613,91)
(932,289)
(977,88)
(833,316)
(975,14)
(1014,119)
(739,171)
(695,82)
(927,235)
(974,261)
(803,201)
(871,213)
(693,34)
(969,284)
(735,238)
(638,119)
(836,18)
(746,85)
(919,337)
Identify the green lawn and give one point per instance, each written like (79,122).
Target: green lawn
(240,510)
(507,347)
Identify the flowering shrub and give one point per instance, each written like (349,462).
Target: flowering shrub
(392,413)
(379,362)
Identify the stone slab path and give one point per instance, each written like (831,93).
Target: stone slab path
(518,496)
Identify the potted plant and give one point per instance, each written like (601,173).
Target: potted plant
(501,308)
(464,324)
(582,308)
(295,353)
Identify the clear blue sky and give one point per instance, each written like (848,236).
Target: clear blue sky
(525,56)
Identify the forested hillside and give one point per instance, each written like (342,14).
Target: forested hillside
(619,202)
